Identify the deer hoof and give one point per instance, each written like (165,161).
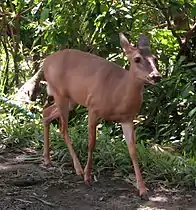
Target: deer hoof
(88,183)
(88,180)
(79,172)
(48,165)
(78,168)
(144,196)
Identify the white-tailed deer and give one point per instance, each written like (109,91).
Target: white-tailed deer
(106,89)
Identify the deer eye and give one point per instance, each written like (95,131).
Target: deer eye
(137,59)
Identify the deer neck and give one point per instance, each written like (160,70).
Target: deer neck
(135,86)
(128,99)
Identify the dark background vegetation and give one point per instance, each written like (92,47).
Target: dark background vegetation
(166,125)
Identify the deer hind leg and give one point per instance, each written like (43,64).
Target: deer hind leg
(50,113)
(64,105)
(92,122)
(128,131)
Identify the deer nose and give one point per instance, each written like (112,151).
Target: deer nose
(156,76)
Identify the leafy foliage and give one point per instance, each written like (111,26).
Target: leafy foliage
(18,126)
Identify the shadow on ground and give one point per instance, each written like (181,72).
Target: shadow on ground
(25,184)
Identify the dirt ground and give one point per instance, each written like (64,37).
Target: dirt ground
(26,184)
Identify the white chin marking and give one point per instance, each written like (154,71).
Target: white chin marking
(152,82)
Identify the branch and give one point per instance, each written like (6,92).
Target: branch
(170,27)
(29,8)
(175,34)
(7,24)
(43,201)
(5,77)
(162,25)
(26,18)
(190,33)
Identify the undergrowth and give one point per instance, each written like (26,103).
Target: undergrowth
(111,153)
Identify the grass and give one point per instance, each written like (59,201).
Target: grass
(111,151)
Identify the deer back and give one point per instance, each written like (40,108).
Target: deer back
(93,82)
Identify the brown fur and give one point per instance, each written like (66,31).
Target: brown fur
(106,89)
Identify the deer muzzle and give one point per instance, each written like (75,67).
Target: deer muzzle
(155,76)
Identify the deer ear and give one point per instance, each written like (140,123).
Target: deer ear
(124,42)
(143,42)
(126,46)
(144,45)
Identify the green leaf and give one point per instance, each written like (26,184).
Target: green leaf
(192,112)
(193,11)
(103,8)
(15,2)
(36,8)
(182,58)
(189,64)
(128,16)
(44,15)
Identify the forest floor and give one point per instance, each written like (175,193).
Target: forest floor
(26,184)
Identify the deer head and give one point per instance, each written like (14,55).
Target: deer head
(143,63)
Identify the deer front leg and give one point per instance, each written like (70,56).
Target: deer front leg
(92,122)
(128,131)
